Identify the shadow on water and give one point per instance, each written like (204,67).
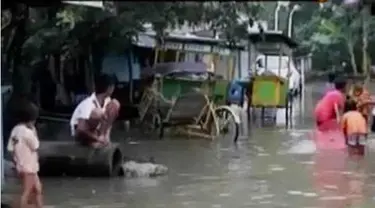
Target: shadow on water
(274,167)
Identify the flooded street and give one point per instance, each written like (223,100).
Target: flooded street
(274,167)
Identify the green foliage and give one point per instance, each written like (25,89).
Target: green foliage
(72,29)
(334,34)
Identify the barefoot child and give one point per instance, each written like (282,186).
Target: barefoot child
(354,126)
(23,144)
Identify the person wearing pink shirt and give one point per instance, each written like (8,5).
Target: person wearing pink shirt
(23,144)
(328,109)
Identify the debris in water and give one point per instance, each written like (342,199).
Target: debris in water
(262,197)
(330,198)
(295,192)
(331,187)
(135,169)
(310,194)
(303,147)
(225,194)
(132,142)
(307,162)
(276,168)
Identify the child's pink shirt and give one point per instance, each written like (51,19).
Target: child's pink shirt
(325,110)
(23,143)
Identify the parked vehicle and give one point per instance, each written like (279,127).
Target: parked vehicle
(182,95)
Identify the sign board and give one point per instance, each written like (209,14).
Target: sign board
(96,4)
(197,48)
(173,46)
(220,50)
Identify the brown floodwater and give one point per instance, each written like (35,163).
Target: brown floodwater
(272,167)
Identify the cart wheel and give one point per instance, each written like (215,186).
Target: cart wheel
(227,124)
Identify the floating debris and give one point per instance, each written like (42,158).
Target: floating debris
(295,192)
(135,169)
(132,142)
(260,197)
(275,168)
(331,187)
(265,202)
(307,162)
(310,194)
(225,194)
(332,198)
(303,147)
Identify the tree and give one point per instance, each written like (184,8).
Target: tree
(336,33)
(68,31)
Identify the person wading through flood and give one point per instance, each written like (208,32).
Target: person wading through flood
(92,120)
(354,127)
(23,144)
(328,110)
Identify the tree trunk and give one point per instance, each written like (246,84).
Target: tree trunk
(352,58)
(21,75)
(365,64)
(21,79)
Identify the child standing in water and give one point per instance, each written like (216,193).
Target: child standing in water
(23,144)
(328,109)
(354,126)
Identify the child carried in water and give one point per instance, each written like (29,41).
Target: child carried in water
(23,144)
(354,125)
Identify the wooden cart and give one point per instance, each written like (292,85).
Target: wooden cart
(269,89)
(181,95)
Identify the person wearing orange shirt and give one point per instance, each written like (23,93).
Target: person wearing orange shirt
(354,126)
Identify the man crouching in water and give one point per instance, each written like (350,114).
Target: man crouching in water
(92,120)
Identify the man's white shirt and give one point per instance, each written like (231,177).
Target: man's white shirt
(84,109)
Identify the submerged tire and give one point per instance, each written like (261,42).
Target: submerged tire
(72,159)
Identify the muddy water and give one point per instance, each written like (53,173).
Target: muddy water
(274,167)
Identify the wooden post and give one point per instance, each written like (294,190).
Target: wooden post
(230,67)
(162,55)
(239,64)
(280,58)
(177,58)
(156,56)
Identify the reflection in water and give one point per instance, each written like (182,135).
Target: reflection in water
(339,179)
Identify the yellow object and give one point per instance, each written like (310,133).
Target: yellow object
(269,91)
